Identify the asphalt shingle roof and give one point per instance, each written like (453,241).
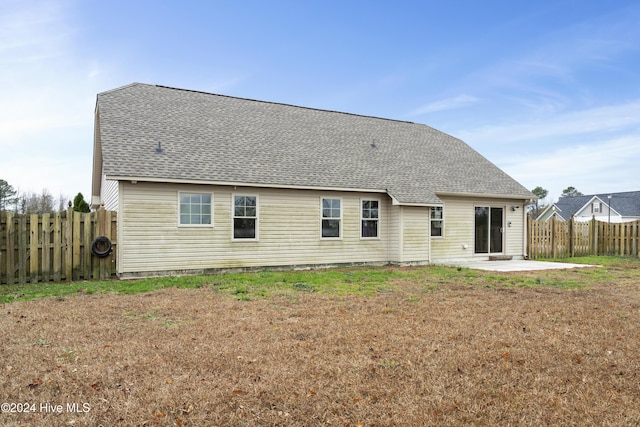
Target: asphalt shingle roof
(215,138)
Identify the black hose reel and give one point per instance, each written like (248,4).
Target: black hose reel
(101,247)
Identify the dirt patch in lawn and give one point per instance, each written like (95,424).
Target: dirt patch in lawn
(447,355)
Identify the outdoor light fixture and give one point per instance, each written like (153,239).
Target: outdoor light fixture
(514,207)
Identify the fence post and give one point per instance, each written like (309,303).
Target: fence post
(592,236)
(57,246)
(572,240)
(553,237)
(22,249)
(69,246)
(10,253)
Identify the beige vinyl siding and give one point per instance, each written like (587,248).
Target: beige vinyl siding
(288,225)
(395,235)
(109,196)
(415,234)
(459,226)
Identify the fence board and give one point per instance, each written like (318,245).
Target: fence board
(46,246)
(86,245)
(561,239)
(36,248)
(57,247)
(10,249)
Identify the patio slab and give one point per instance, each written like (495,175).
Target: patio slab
(516,265)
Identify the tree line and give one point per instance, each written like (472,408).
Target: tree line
(33,203)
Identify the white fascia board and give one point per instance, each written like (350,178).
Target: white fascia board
(487,196)
(544,212)
(240,184)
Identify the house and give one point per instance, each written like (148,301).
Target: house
(608,207)
(204,182)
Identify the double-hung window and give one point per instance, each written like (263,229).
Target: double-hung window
(331,218)
(370,219)
(195,208)
(437,222)
(245,217)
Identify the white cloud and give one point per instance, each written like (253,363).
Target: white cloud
(602,119)
(452,103)
(610,165)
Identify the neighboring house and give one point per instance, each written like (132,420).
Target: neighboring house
(608,207)
(205,182)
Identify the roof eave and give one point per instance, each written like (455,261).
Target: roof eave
(238,184)
(487,195)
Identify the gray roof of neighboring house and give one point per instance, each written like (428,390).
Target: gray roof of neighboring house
(568,206)
(626,203)
(215,138)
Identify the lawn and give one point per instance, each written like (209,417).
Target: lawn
(359,346)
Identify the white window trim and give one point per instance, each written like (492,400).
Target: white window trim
(233,216)
(180,225)
(441,219)
(340,219)
(369,219)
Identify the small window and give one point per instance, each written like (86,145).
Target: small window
(331,218)
(596,207)
(245,217)
(195,208)
(370,218)
(437,222)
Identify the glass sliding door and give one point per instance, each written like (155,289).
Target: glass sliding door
(482,230)
(489,229)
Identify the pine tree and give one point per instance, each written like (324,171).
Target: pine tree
(7,195)
(79,204)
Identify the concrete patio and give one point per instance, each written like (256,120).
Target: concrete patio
(516,265)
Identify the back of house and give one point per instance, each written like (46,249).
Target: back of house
(205,182)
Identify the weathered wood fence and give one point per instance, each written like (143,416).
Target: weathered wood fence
(561,239)
(55,247)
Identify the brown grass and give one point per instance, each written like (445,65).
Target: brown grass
(455,355)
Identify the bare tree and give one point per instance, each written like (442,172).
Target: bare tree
(33,203)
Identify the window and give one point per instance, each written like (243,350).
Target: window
(370,218)
(437,229)
(245,217)
(596,207)
(331,217)
(195,208)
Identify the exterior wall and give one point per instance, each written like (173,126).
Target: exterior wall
(459,228)
(415,234)
(109,194)
(395,234)
(289,229)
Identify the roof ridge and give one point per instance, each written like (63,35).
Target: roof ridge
(282,103)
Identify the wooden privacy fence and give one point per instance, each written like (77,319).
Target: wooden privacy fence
(57,246)
(561,239)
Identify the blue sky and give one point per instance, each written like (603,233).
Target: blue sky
(549,90)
